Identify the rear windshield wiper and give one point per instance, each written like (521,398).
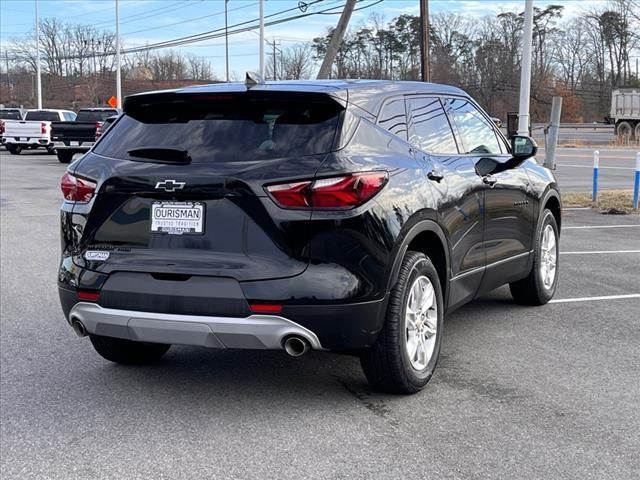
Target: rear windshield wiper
(161,154)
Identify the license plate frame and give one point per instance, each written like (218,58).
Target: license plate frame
(188,218)
(74,144)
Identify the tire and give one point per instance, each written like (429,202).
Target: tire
(64,157)
(534,290)
(387,364)
(128,352)
(624,130)
(51,150)
(14,149)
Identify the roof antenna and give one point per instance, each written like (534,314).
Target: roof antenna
(252,79)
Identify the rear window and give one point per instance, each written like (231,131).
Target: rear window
(94,115)
(43,116)
(227,128)
(10,115)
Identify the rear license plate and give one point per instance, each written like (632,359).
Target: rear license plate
(23,139)
(74,144)
(177,218)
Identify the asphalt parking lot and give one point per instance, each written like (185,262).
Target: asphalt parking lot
(520,392)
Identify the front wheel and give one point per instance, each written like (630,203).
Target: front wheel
(127,352)
(540,285)
(406,352)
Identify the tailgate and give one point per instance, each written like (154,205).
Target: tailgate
(181,185)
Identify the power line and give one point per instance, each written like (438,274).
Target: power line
(191,19)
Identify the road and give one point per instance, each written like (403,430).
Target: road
(575,168)
(520,392)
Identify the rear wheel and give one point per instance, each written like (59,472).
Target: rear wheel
(128,352)
(540,285)
(51,150)
(624,130)
(64,157)
(14,149)
(406,352)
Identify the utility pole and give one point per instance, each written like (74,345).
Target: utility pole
(275,49)
(118,66)
(38,72)
(336,40)
(226,39)
(525,75)
(6,60)
(261,38)
(424,40)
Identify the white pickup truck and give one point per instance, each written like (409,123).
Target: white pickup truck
(34,131)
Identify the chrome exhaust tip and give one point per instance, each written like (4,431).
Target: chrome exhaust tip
(79,328)
(296,346)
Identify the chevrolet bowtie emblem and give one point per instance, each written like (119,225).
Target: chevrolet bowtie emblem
(170,185)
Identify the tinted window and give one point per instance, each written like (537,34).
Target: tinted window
(10,115)
(429,129)
(476,132)
(227,128)
(42,116)
(94,115)
(392,117)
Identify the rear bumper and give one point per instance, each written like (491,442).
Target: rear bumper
(28,141)
(83,147)
(252,332)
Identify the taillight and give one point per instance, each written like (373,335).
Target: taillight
(98,129)
(346,191)
(1,126)
(43,128)
(76,189)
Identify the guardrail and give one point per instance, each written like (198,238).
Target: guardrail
(576,126)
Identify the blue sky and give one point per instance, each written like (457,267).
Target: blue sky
(148,21)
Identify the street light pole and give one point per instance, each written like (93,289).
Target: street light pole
(38,72)
(261,38)
(118,66)
(226,39)
(525,74)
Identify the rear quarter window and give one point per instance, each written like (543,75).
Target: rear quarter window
(43,116)
(228,127)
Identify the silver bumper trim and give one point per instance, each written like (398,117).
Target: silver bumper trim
(252,332)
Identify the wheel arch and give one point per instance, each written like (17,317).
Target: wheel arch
(552,201)
(425,236)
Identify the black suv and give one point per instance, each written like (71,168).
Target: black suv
(346,216)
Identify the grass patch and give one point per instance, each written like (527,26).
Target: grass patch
(608,200)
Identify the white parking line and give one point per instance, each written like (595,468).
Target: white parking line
(587,252)
(581,227)
(602,167)
(588,299)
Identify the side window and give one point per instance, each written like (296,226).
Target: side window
(476,132)
(393,118)
(429,129)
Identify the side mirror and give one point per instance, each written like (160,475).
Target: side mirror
(523,147)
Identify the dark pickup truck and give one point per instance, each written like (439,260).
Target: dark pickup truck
(70,138)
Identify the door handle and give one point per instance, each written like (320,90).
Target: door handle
(435,175)
(490,180)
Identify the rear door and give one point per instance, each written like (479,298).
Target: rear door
(460,193)
(181,184)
